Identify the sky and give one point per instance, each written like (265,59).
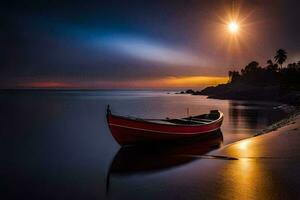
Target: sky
(140,44)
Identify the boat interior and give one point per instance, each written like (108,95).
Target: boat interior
(193,120)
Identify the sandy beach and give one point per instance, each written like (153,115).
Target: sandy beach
(262,167)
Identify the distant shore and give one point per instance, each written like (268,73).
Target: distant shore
(247,92)
(271,82)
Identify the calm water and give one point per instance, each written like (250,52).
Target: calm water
(56,145)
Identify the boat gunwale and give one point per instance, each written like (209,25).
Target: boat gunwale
(167,132)
(161,124)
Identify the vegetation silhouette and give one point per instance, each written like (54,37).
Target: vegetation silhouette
(256,82)
(286,78)
(280,56)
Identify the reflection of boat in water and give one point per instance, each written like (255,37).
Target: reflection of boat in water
(130,130)
(136,159)
(143,160)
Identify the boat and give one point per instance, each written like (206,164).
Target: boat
(129,130)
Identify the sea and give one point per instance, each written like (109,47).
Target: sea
(57,145)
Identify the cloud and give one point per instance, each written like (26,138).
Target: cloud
(151,51)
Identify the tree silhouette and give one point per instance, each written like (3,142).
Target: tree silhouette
(292,66)
(233,76)
(252,67)
(271,76)
(271,66)
(280,57)
(270,62)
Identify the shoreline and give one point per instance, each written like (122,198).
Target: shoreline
(281,123)
(286,121)
(269,130)
(262,165)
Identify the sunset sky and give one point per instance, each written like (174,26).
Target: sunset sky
(140,44)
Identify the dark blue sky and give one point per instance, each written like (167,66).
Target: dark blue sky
(100,43)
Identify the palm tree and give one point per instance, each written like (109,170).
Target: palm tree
(280,57)
(270,62)
(271,66)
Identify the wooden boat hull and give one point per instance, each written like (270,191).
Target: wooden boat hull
(127,131)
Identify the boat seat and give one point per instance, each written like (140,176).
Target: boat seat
(190,120)
(161,122)
(198,122)
(204,120)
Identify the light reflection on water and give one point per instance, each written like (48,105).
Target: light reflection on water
(59,143)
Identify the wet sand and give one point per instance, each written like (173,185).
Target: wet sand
(266,166)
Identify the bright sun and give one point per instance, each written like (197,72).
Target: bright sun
(233,27)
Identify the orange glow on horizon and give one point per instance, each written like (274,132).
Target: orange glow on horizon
(194,81)
(161,83)
(46,84)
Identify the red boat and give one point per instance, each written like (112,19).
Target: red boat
(131,130)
